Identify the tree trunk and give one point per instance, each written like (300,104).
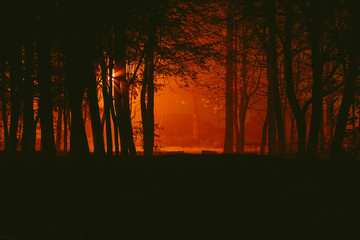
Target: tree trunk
(244,97)
(112,109)
(264,134)
(330,117)
(236,112)
(59,128)
(106,107)
(270,110)
(150,103)
(122,103)
(229,125)
(29,131)
(4,115)
(97,130)
(65,119)
(322,134)
(196,133)
(3,99)
(147,95)
(272,69)
(244,104)
(143,108)
(129,130)
(76,67)
(45,87)
(350,78)
(292,134)
(317,72)
(298,113)
(15,80)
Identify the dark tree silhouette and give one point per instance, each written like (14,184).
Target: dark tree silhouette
(351,74)
(29,131)
(78,32)
(299,114)
(229,124)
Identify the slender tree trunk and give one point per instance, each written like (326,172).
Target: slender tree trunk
(331,117)
(244,103)
(292,134)
(129,130)
(143,108)
(264,134)
(350,78)
(59,128)
(76,67)
(45,86)
(322,134)
(97,130)
(196,133)
(4,116)
(106,107)
(298,113)
(65,119)
(244,98)
(147,96)
(29,131)
(317,69)
(150,103)
(235,111)
(112,109)
(270,110)
(284,115)
(354,132)
(120,89)
(3,99)
(122,103)
(15,80)
(229,125)
(271,55)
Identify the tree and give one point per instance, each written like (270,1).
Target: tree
(298,113)
(351,74)
(29,131)
(229,124)
(78,32)
(44,78)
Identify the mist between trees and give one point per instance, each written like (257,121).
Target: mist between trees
(293,62)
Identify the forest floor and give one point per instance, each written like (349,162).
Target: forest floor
(181,196)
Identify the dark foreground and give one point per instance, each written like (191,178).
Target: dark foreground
(181,197)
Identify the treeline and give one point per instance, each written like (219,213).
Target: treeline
(60,59)
(310,59)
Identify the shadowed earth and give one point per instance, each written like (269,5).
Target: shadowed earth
(180,197)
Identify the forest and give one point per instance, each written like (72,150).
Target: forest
(83,90)
(63,65)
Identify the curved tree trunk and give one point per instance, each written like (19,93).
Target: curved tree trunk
(350,78)
(298,113)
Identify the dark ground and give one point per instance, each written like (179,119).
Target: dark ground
(181,197)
